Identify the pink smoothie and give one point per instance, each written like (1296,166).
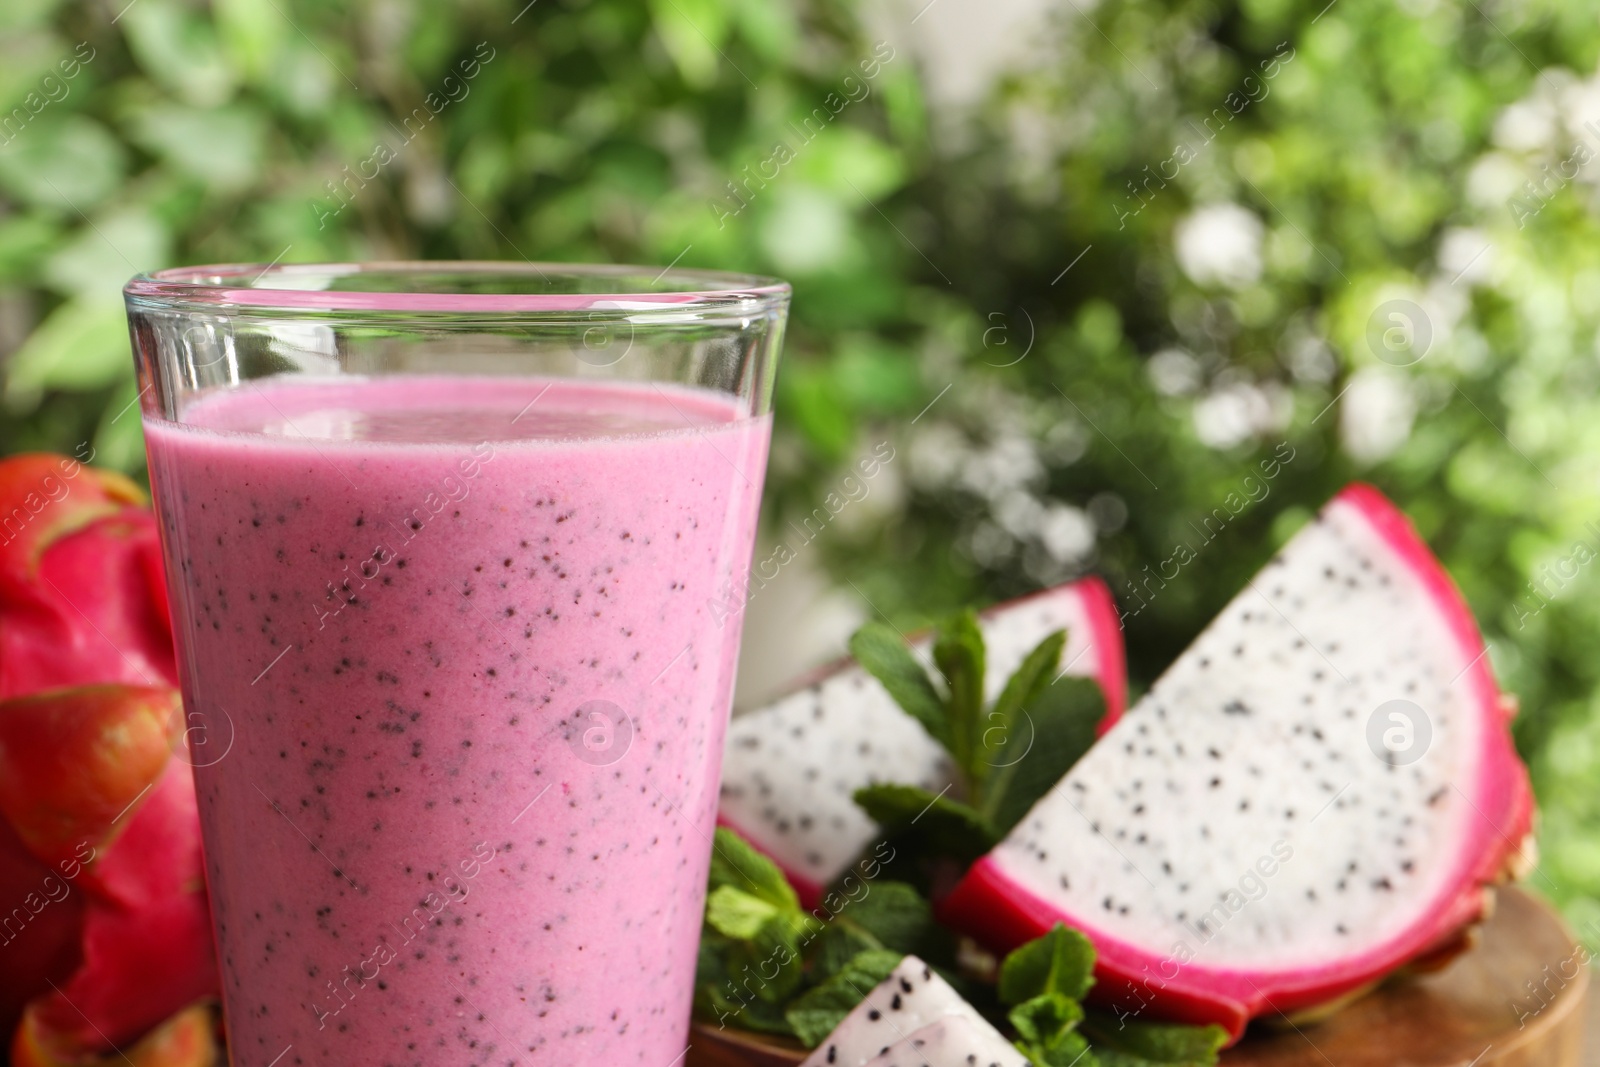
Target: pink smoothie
(457,693)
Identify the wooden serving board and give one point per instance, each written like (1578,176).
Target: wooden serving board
(1477,1012)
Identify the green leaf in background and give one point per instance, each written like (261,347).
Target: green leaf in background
(82,345)
(25,58)
(180,50)
(693,31)
(24,242)
(66,164)
(100,258)
(1055,729)
(958,652)
(220,146)
(119,436)
(735,864)
(815,1014)
(880,649)
(1060,961)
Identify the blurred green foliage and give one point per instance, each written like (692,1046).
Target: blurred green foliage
(1201,241)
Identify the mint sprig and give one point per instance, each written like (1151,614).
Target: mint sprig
(1043,983)
(1007,754)
(766,964)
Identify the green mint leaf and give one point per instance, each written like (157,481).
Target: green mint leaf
(736,914)
(880,650)
(1048,736)
(813,1016)
(832,949)
(895,914)
(929,824)
(1120,1043)
(728,992)
(1030,678)
(958,653)
(1069,1050)
(1060,961)
(1001,746)
(735,863)
(1045,1019)
(1010,731)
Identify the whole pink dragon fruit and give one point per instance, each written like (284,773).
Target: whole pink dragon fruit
(104,928)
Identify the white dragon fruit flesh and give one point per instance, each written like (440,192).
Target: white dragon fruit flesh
(956,1041)
(1318,791)
(902,1004)
(791,768)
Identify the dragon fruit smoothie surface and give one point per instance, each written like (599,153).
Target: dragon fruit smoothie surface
(457,683)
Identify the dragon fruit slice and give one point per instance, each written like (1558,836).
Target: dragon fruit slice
(903,1003)
(1317,792)
(791,768)
(956,1041)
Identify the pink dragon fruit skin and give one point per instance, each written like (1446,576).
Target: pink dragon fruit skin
(101,886)
(89,785)
(1492,820)
(82,598)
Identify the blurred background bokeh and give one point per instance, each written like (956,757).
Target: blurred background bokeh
(1124,286)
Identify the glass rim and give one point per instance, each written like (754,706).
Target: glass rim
(687,293)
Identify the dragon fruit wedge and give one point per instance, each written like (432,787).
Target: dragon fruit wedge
(1320,790)
(954,1041)
(791,768)
(912,997)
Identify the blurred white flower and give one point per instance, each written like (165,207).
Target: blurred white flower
(1009,462)
(1018,513)
(1066,532)
(1526,126)
(1220,244)
(1493,180)
(1376,413)
(1236,412)
(1580,107)
(1466,255)
(1065,442)
(936,453)
(1447,304)
(1108,512)
(1310,359)
(1173,372)
(990,545)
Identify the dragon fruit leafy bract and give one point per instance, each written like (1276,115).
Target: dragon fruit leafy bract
(1317,792)
(106,932)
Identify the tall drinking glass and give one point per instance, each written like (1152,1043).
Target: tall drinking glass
(451,549)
